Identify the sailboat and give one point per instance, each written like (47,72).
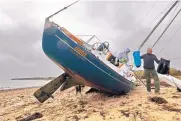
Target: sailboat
(84,64)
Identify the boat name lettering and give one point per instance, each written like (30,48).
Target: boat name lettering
(81,52)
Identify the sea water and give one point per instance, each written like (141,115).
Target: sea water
(13,84)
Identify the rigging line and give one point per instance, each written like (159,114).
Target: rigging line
(151,22)
(163,17)
(175,58)
(159,14)
(166,28)
(91,36)
(174,11)
(170,18)
(90,39)
(140,22)
(84,35)
(139,32)
(170,38)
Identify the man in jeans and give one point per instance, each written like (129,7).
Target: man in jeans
(149,68)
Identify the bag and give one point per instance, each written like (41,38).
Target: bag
(164,66)
(137,58)
(112,58)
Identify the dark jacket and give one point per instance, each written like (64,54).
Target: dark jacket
(149,61)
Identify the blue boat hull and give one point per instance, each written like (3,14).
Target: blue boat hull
(87,68)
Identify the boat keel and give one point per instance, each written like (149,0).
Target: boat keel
(47,90)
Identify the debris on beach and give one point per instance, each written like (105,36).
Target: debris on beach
(125,112)
(172,108)
(158,100)
(31,117)
(175,96)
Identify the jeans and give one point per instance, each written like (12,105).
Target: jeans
(148,79)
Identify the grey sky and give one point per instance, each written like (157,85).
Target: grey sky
(22,26)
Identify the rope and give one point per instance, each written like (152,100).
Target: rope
(171,38)
(170,21)
(139,79)
(151,22)
(174,82)
(176,58)
(139,23)
(157,25)
(136,76)
(174,10)
(166,28)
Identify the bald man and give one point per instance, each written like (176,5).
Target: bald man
(149,68)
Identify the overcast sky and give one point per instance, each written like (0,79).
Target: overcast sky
(22,21)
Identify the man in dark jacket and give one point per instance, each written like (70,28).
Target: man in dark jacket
(149,68)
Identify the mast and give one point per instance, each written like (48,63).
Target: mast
(166,28)
(62,9)
(157,24)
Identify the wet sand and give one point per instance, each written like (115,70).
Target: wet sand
(66,106)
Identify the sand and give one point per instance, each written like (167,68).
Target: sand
(66,106)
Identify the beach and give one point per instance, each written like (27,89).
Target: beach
(19,104)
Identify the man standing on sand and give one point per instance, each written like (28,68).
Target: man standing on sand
(149,68)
